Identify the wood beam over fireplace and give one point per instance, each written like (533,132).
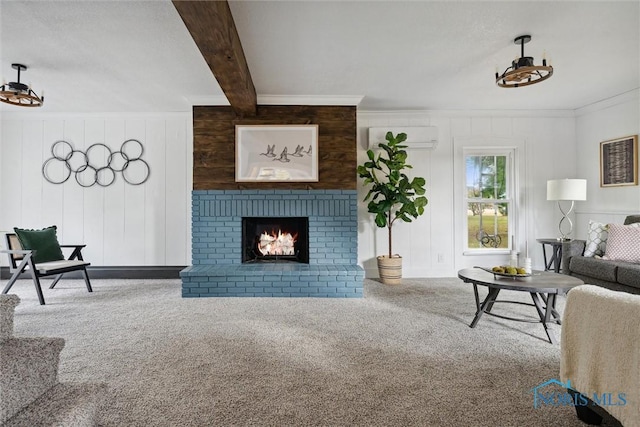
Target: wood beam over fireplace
(212,27)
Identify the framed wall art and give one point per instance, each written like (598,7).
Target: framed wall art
(619,162)
(285,153)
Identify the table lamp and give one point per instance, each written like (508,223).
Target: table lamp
(569,190)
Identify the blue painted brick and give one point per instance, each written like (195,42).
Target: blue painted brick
(342,251)
(218,291)
(213,210)
(304,284)
(227,285)
(281,285)
(334,245)
(333,255)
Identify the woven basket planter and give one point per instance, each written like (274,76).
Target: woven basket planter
(390,269)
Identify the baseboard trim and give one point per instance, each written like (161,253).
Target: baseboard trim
(116,272)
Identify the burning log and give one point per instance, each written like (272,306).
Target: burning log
(276,244)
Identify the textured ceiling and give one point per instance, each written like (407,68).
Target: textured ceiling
(101,56)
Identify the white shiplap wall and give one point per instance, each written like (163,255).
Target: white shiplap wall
(614,118)
(122,224)
(150,224)
(432,245)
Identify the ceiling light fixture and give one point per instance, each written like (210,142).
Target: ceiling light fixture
(16,93)
(522,71)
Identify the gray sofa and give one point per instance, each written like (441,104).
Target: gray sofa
(614,275)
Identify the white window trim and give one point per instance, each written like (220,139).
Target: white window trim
(465,258)
(510,154)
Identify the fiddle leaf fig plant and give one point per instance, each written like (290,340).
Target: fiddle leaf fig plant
(392,195)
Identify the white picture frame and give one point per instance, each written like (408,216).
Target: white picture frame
(276,153)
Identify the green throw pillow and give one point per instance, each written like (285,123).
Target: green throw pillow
(44,242)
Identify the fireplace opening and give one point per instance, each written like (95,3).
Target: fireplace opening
(275,239)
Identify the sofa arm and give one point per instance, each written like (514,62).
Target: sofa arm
(599,348)
(571,248)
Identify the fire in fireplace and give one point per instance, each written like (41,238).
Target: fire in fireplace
(271,239)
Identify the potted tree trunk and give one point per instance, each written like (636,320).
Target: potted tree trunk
(392,196)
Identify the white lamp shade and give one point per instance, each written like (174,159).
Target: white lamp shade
(567,189)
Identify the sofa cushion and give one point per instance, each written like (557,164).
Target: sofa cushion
(631,219)
(629,274)
(596,239)
(623,243)
(594,267)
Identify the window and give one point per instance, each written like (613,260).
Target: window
(489,199)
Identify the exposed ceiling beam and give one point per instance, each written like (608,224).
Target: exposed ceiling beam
(212,28)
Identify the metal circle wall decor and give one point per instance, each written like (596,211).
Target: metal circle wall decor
(97,165)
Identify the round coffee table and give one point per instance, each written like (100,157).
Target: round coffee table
(543,286)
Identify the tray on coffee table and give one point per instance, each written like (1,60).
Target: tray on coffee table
(498,274)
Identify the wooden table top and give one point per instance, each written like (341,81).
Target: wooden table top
(539,281)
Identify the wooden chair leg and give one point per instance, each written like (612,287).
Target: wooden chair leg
(86,279)
(55,281)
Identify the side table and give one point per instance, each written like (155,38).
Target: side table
(556,253)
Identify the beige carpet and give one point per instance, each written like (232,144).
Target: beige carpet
(401,356)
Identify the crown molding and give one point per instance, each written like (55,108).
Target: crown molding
(32,115)
(425,114)
(632,95)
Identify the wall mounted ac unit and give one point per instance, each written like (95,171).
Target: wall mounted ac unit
(418,137)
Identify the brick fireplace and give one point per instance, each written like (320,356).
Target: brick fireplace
(327,209)
(328,267)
